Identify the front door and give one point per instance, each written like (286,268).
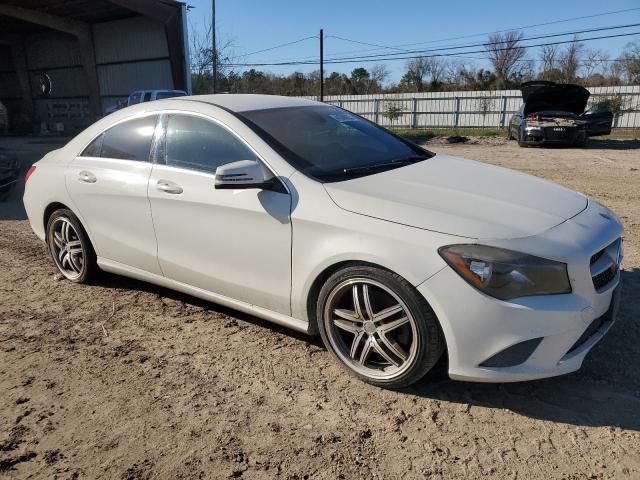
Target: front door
(235,243)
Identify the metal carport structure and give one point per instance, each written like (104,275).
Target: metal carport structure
(62,62)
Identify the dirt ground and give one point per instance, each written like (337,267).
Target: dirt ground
(126,380)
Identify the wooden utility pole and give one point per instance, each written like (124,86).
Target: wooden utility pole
(214,53)
(321,65)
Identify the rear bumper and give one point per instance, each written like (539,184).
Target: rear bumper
(559,329)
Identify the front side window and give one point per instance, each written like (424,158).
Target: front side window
(199,144)
(147,96)
(331,144)
(130,140)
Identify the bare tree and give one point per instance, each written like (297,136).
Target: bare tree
(593,61)
(569,61)
(549,57)
(504,52)
(377,77)
(417,70)
(200,48)
(628,64)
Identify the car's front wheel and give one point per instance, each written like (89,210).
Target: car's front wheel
(70,247)
(521,142)
(378,326)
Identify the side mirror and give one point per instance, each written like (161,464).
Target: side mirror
(242,174)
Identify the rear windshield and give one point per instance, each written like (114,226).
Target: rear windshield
(331,144)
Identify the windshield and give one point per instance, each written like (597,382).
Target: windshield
(331,144)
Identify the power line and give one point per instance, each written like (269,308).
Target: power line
(365,43)
(449,54)
(423,52)
(488,44)
(281,45)
(554,22)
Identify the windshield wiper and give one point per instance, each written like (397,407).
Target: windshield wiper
(398,162)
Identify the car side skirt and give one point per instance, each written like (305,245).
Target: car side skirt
(271,316)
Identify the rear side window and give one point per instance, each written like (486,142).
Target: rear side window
(130,140)
(199,144)
(94,148)
(147,96)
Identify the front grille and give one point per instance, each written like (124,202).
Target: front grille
(559,132)
(595,325)
(596,257)
(602,280)
(604,265)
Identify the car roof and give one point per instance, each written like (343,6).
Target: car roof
(241,102)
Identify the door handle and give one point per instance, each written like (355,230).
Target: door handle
(87,177)
(169,187)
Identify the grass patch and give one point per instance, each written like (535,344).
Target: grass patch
(427,133)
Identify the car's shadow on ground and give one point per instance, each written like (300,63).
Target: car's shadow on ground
(109,280)
(606,392)
(604,144)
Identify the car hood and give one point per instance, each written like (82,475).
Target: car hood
(460,197)
(540,96)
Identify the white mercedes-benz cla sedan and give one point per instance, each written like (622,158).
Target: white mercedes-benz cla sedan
(317,219)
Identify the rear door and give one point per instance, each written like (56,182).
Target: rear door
(108,185)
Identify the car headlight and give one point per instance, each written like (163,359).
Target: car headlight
(506,274)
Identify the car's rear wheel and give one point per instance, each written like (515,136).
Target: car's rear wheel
(69,247)
(378,326)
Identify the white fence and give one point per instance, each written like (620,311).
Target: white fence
(470,109)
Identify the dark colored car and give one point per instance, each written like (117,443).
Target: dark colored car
(555,113)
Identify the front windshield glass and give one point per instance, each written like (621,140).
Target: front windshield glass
(330,144)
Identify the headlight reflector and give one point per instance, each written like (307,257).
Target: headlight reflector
(506,274)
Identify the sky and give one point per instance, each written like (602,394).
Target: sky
(253,25)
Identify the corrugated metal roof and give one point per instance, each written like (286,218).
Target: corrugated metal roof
(90,11)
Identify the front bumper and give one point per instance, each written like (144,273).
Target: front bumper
(547,136)
(561,328)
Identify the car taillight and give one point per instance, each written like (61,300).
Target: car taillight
(30,171)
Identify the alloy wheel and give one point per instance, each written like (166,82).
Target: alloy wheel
(66,248)
(371,329)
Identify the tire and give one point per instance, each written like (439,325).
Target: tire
(509,136)
(521,142)
(70,248)
(385,332)
(582,143)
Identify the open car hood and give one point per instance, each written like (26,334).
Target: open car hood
(540,96)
